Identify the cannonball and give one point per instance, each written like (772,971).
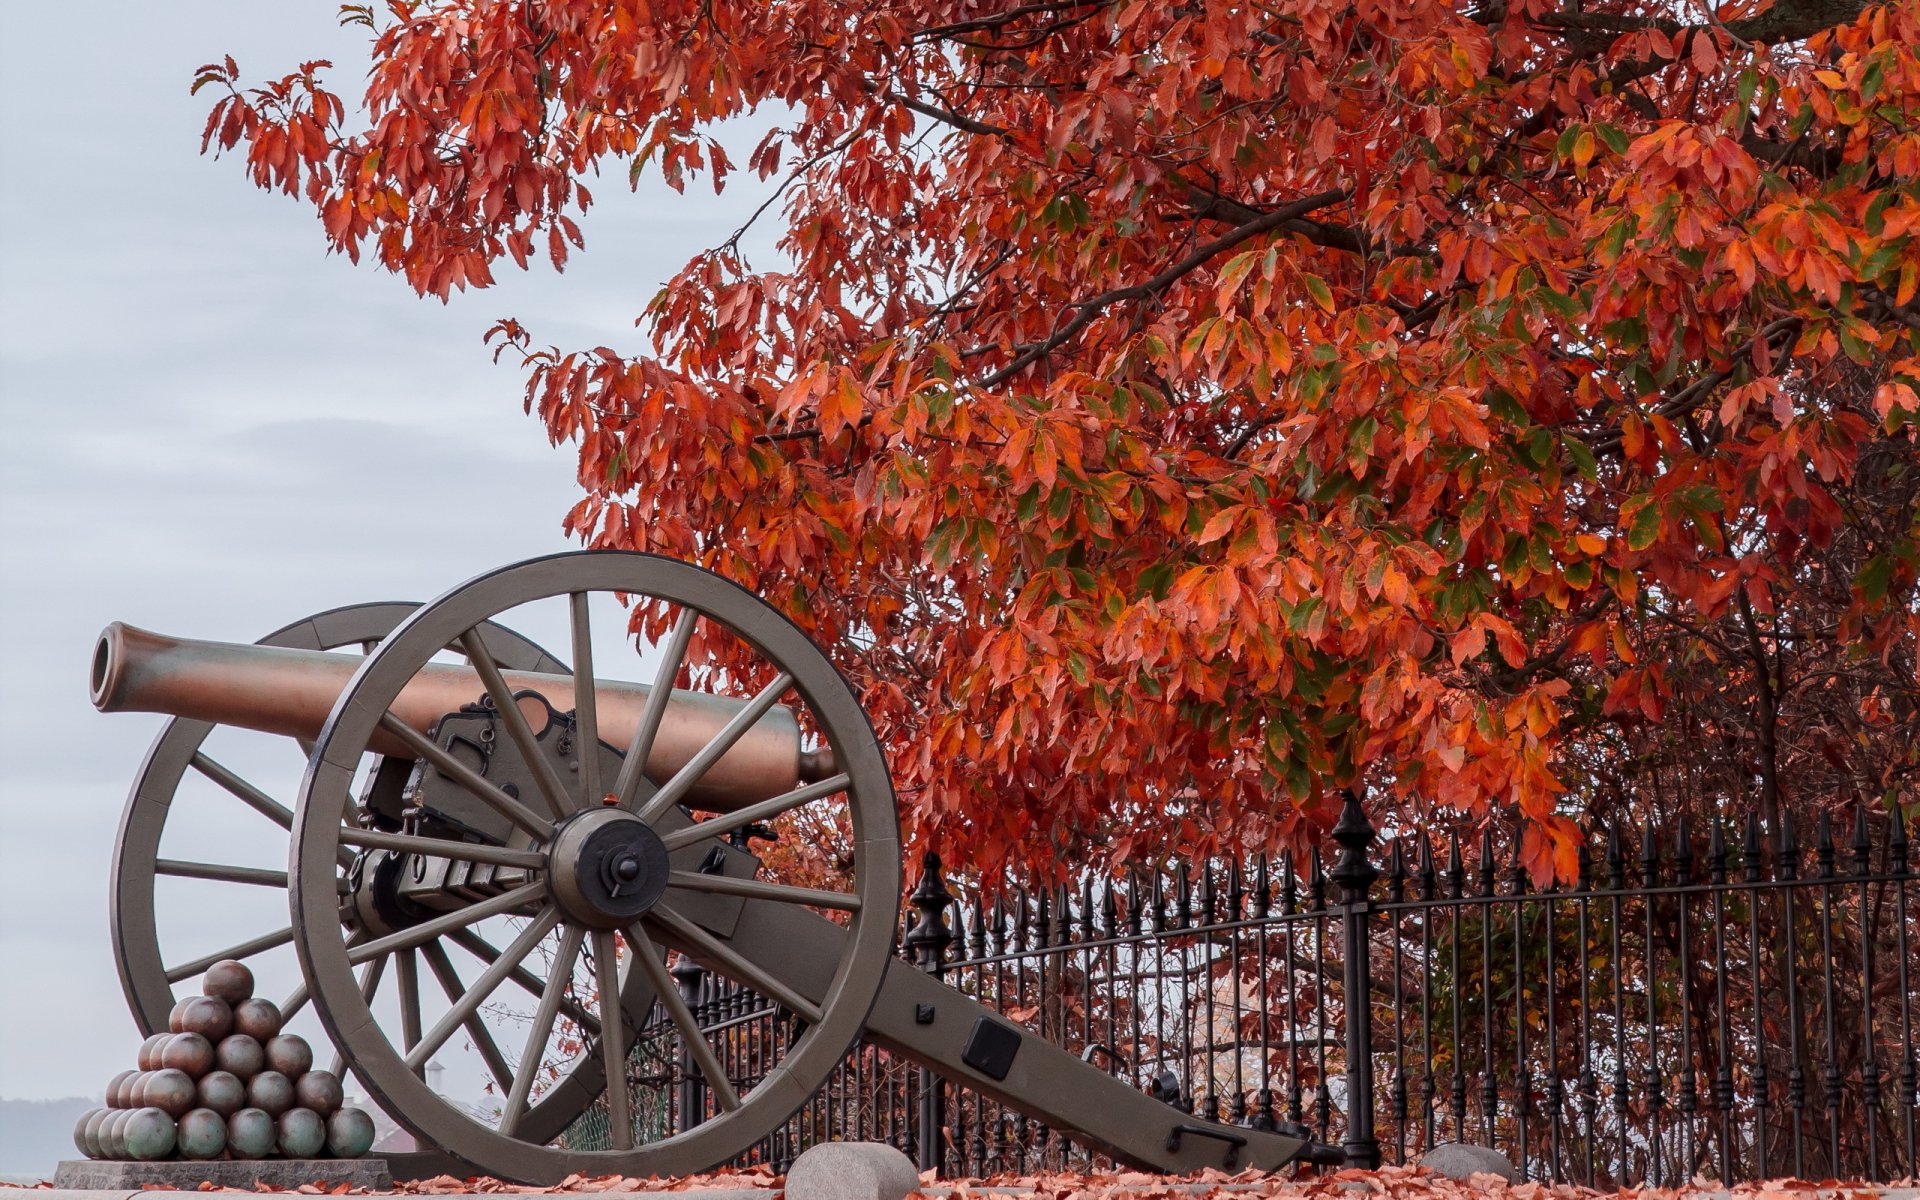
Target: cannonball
(177,1016)
(115,1085)
(222,1092)
(149,1135)
(119,1133)
(228,980)
(302,1133)
(110,1145)
(250,1134)
(80,1131)
(290,1055)
(170,1089)
(349,1133)
(271,1092)
(202,1134)
(239,1055)
(137,1090)
(319,1091)
(187,1052)
(208,1016)
(149,1056)
(95,1129)
(258,1019)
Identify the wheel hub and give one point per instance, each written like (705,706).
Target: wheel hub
(606,867)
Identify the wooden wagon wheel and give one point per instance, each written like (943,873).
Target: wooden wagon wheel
(604,852)
(148,975)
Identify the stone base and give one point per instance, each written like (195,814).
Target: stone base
(274,1174)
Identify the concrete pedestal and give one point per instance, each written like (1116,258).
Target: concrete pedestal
(276,1174)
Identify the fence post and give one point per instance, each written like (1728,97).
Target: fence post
(1355,873)
(927,942)
(692,1101)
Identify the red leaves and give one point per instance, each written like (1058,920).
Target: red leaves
(1373,492)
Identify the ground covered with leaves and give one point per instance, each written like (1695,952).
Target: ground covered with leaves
(1395,1183)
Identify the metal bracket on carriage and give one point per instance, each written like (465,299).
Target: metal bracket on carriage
(1233,1141)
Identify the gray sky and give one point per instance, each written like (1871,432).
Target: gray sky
(212,429)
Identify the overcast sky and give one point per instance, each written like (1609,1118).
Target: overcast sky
(212,429)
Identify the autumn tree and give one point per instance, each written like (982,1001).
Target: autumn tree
(1169,413)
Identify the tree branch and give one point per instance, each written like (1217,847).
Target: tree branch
(1086,310)
(946,116)
(1786,21)
(1002,20)
(1212,205)
(1696,393)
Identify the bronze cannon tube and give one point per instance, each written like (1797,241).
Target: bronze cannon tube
(290,692)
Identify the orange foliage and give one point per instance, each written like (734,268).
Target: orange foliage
(1172,412)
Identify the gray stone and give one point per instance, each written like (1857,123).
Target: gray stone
(1458,1160)
(277,1174)
(851,1171)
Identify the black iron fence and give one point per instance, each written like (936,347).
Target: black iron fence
(1726,1005)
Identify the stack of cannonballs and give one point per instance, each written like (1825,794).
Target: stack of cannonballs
(225,1083)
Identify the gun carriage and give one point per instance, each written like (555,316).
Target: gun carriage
(459,777)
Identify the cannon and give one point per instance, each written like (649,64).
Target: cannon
(567,829)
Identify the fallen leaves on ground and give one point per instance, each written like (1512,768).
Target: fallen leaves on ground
(1393,1183)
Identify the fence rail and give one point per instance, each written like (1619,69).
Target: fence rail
(1734,1006)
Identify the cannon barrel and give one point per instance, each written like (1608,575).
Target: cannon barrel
(290,692)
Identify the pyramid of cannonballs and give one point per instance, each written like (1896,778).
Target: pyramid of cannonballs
(224,1083)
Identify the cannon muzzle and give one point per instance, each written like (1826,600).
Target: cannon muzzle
(290,692)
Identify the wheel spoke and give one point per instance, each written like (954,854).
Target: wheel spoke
(545,774)
(486,952)
(740,818)
(760,889)
(409,975)
(634,767)
(476,784)
(253,797)
(543,1017)
(730,961)
(684,779)
(426,931)
(648,956)
(466,1004)
(219,872)
(476,1028)
(586,719)
(298,997)
(265,941)
(407,843)
(613,1050)
(369,984)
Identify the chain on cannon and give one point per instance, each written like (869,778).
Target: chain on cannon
(566,831)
